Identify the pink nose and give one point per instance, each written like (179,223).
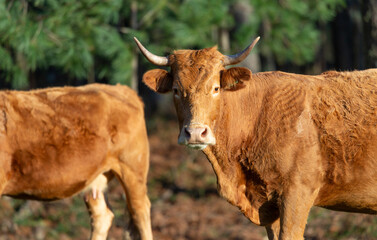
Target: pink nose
(196,134)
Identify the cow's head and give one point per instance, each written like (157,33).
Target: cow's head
(198,79)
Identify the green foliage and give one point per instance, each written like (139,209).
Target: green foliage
(87,37)
(290,27)
(195,22)
(70,35)
(183,24)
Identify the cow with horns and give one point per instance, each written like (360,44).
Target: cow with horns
(278,142)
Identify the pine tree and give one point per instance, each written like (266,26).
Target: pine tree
(78,37)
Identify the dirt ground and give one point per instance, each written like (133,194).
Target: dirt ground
(185,205)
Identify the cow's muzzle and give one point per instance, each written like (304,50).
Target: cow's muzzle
(197,136)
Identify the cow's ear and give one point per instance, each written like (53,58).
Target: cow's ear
(232,79)
(158,80)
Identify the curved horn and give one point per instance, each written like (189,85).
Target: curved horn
(236,58)
(156,60)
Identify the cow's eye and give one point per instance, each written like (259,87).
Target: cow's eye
(175,90)
(216,90)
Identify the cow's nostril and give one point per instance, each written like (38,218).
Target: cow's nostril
(204,133)
(187,132)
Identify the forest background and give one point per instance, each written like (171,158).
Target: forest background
(51,43)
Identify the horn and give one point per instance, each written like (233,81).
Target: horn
(236,58)
(156,60)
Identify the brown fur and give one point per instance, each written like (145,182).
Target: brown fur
(284,142)
(56,142)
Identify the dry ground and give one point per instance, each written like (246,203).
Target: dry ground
(185,205)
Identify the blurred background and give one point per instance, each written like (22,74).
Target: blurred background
(45,43)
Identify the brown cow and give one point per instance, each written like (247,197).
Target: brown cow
(57,142)
(278,142)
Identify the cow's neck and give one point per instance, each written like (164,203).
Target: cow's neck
(238,114)
(233,129)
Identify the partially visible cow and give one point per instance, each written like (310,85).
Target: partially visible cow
(278,142)
(57,142)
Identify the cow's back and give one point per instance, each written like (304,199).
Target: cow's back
(63,135)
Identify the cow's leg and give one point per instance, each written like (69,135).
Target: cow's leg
(3,181)
(5,166)
(134,183)
(295,208)
(273,230)
(101,216)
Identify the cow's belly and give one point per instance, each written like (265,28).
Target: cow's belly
(349,198)
(351,186)
(55,188)
(44,192)
(358,205)
(55,178)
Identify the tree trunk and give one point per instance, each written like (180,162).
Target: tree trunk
(369,13)
(343,37)
(134,63)
(23,65)
(224,40)
(91,74)
(241,11)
